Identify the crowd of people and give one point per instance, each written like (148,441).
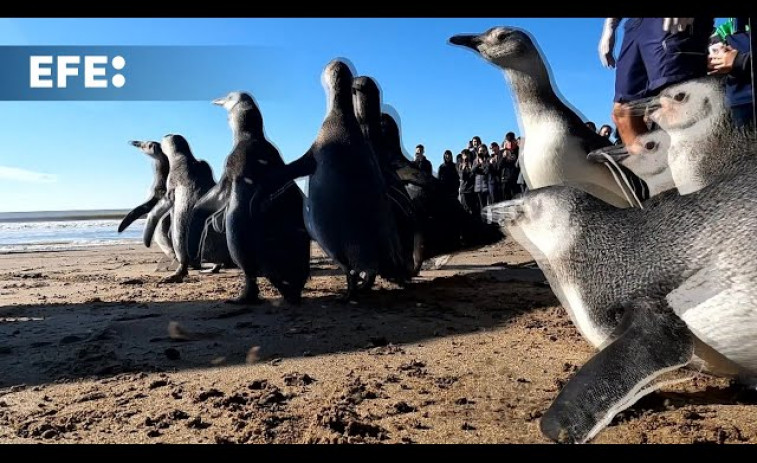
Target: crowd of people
(479,175)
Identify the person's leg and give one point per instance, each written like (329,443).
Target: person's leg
(630,82)
(743,115)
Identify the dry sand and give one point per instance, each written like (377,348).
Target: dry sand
(94,349)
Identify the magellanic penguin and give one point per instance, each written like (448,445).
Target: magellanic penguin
(558,140)
(367,103)
(694,121)
(188,180)
(265,230)
(656,289)
(158,189)
(446,227)
(347,207)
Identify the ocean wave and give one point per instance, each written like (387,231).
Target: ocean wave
(61,246)
(63,225)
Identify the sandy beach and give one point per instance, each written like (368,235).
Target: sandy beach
(94,349)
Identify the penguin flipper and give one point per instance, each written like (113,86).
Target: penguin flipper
(153,218)
(652,341)
(138,212)
(211,202)
(275,178)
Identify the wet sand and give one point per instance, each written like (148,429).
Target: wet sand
(94,349)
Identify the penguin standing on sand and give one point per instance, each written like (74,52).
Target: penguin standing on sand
(265,231)
(347,207)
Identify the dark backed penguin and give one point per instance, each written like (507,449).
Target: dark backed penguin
(347,207)
(158,190)
(558,140)
(367,103)
(446,227)
(265,230)
(655,289)
(188,179)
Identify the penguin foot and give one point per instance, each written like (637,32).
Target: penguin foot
(177,277)
(293,299)
(215,269)
(249,295)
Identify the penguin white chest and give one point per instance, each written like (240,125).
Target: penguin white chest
(547,247)
(551,155)
(723,316)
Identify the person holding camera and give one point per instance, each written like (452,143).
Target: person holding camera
(467,184)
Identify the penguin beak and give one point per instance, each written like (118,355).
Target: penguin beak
(219,101)
(603,155)
(505,213)
(136,143)
(466,40)
(645,106)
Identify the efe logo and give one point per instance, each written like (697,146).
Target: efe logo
(95,70)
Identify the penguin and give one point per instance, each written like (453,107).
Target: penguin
(367,104)
(188,179)
(650,161)
(447,228)
(347,207)
(558,140)
(694,121)
(265,230)
(158,188)
(654,290)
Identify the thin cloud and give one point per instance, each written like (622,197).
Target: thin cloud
(23,175)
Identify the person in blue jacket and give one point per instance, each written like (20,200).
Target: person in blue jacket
(734,59)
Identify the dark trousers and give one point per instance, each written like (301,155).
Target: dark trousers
(495,193)
(470,203)
(483,199)
(743,115)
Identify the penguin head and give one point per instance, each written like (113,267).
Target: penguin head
(646,157)
(150,148)
(175,146)
(244,114)
(231,100)
(366,99)
(338,75)
(682,106)
(507,47)
(547,218)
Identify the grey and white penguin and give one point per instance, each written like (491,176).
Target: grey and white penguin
(558,140)
(367,103)
(188,180)
(657,289)
(447,228)
(694,121)
(265,231)
(158,189)
(347,208)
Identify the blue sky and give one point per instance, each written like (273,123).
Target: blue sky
(74,155)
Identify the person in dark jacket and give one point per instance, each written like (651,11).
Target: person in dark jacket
(448,175)
(421,162)
(481,170)
(495,173)
(467,185)
(509,174)
(732,57)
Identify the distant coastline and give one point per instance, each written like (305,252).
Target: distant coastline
(54,216)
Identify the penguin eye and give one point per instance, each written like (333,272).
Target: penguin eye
(650,145)
(679,97)
(502,36)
